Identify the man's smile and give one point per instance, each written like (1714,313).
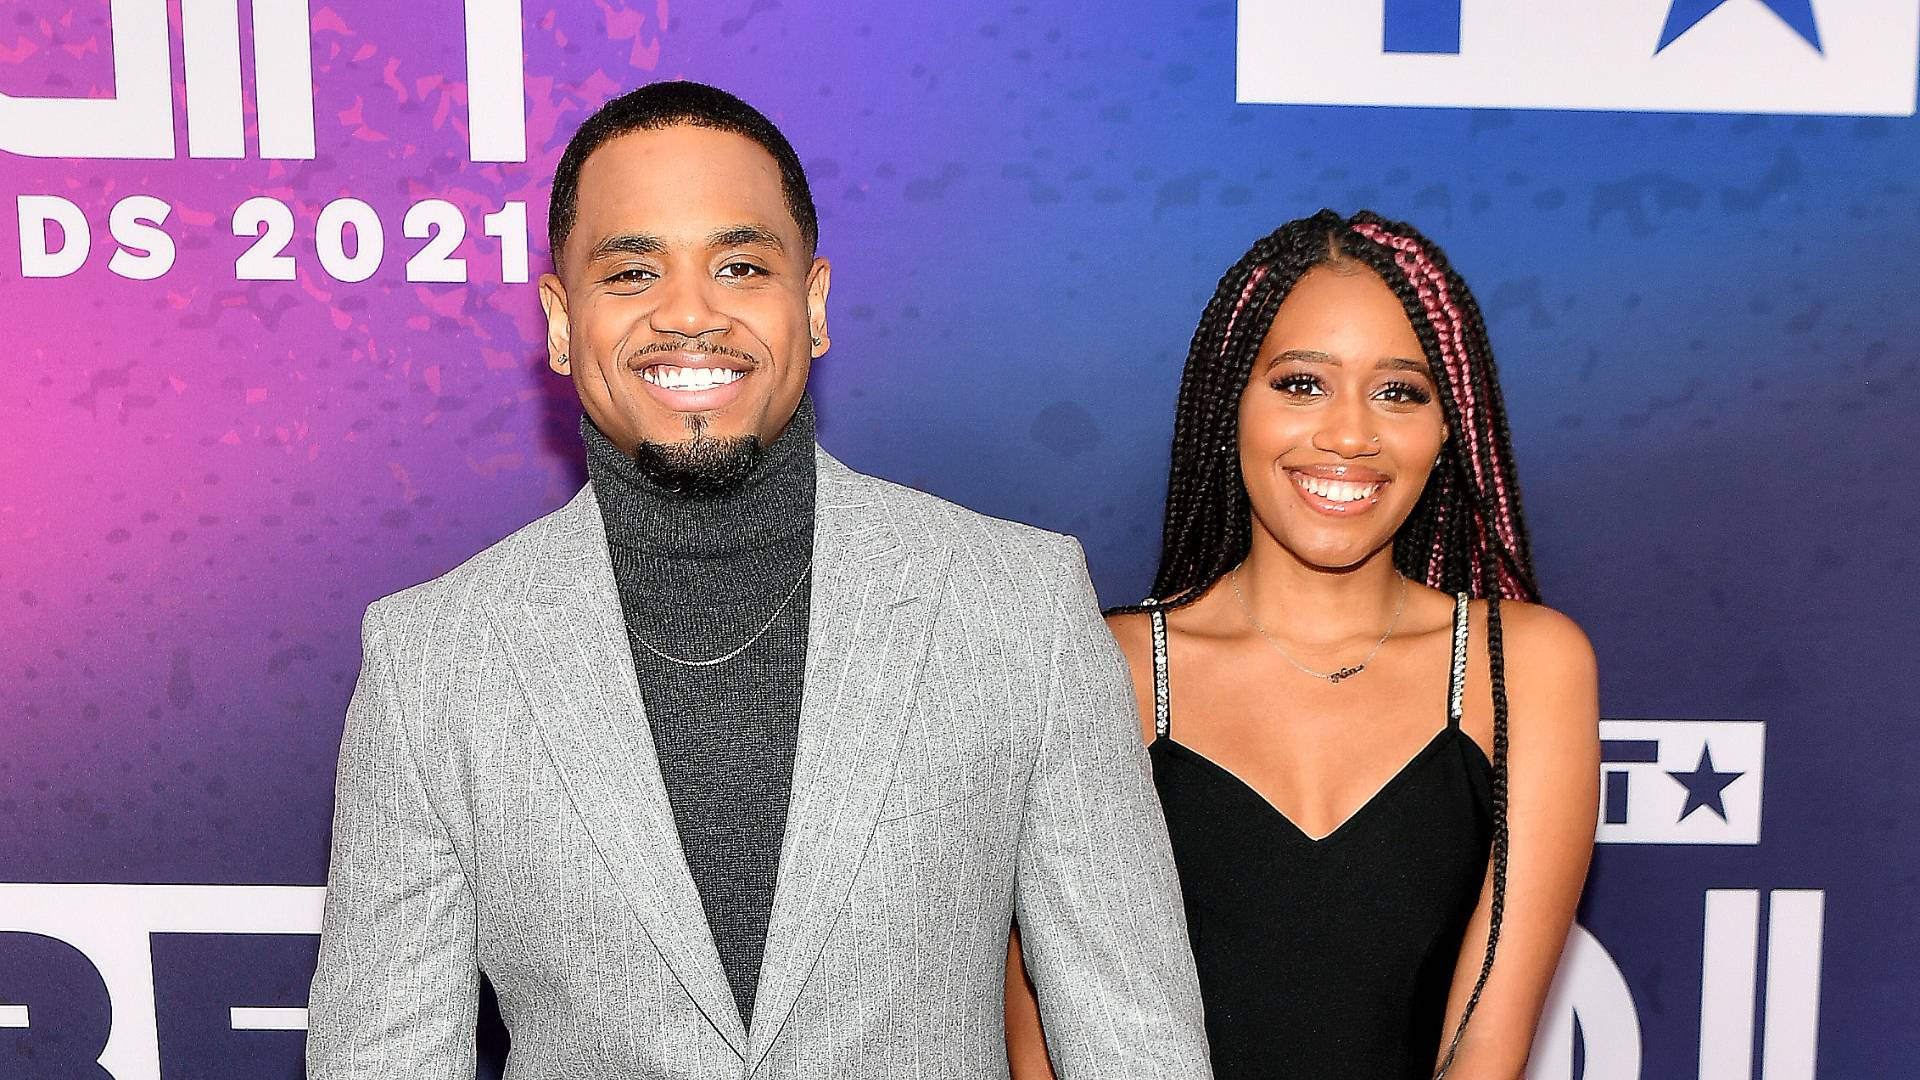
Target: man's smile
(689,380)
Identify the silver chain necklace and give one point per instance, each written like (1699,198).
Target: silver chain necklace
(1334,677)
(745,645)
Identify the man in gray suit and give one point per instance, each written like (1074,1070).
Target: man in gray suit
(741,763)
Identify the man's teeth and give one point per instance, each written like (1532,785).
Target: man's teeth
(689,378)
(1336,490)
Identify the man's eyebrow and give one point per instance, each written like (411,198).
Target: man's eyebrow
(746,236)
(628,244)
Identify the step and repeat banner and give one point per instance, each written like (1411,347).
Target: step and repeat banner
(272,351)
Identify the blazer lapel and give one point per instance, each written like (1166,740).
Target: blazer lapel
(874,602)
(568,643)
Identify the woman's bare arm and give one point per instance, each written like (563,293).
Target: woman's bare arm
(1553,797)
(1026,1043)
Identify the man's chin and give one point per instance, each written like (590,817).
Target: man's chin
(703,465)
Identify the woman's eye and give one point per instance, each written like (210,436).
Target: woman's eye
(1404,393)
(1299,384)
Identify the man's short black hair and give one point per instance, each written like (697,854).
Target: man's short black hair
(669,104)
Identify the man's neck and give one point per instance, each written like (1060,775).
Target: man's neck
(771,508)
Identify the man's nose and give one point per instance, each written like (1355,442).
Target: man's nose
(686,307)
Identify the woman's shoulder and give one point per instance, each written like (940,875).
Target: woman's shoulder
(1551,674)
(1188,621)
(1133,630)
(1540,638)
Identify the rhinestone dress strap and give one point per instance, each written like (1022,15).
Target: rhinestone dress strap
(1161,708)
(1457,681)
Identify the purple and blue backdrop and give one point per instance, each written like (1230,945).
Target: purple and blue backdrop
(274,353)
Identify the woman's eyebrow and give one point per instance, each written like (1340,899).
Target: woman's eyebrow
(1401,363)
(1315,356)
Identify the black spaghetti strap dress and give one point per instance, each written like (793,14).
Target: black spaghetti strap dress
(1329,958)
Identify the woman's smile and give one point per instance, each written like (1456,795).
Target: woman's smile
(1338,490)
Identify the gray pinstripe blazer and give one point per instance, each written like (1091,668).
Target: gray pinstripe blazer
(968,752)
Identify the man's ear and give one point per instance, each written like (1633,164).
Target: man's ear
(819,281)
(553,298)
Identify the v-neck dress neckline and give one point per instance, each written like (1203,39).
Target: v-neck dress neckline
(1329,957)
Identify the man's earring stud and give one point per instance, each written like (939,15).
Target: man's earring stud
(816,343)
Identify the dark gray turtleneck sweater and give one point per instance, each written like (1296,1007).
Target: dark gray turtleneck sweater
(698,576)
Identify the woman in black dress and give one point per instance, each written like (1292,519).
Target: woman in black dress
(1377,752)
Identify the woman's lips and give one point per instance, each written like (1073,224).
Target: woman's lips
(1338,490)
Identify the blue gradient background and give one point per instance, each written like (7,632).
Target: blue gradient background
(1705,324)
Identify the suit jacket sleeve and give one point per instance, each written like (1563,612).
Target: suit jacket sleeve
(1102,929)
(396,991)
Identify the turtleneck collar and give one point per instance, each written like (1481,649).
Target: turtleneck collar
(772,508)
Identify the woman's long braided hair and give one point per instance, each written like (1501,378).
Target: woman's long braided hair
(1464,534)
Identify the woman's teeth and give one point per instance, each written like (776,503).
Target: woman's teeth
(1336,490)
(692,378)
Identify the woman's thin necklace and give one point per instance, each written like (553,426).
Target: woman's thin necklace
(745,645)
(1334,677)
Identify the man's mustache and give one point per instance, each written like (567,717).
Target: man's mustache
(699,345)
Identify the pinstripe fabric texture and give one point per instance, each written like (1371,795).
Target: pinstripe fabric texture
(968,751)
